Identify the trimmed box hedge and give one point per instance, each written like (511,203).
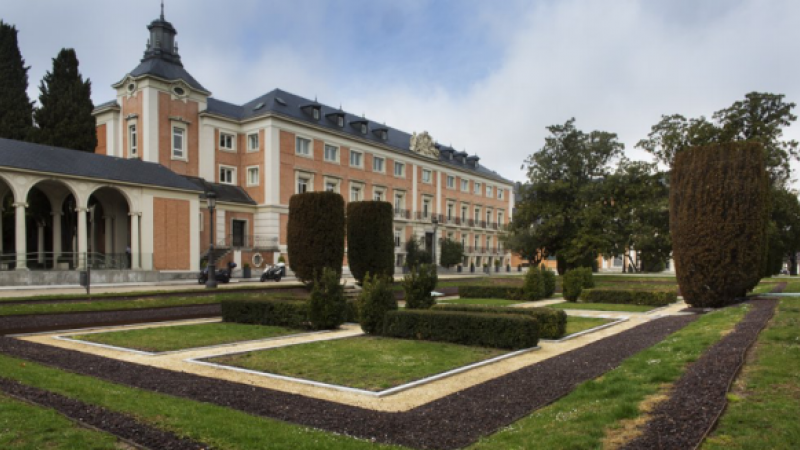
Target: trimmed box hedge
(552,322)
(508,331)
(629,297)
(503,292)
(290,313)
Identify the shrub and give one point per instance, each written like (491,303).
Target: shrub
(588,278)
(552,322)
(510,331)
(370,239)
(351,310)
(418,285)
(271,311)
(315,234)
(504,292)
(416,256)
(377,298)
(534,284)
(719,210)
(327,304)
(549,282)
(629,297)
(452,253)
(572,284)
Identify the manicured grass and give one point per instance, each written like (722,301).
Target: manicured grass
(635,286)
(602,307)
(632,278)
(372,363)
(764,405)
(24,426)
(219,427)
(481,301)
(764,288)
(585,417)
(165,339)
(578,324)
(792,287)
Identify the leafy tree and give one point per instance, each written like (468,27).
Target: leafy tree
(65,115)
(452,253)
(416,255)
(784,233)
(16,121)
(561,206)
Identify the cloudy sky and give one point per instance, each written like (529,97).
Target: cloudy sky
(484,76)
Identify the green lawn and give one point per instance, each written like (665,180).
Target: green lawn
(764,405)
(602,307)
(481,301)
(595,409)
(165,339)
(372,363)
(792,287)
(24,426)
(578,324)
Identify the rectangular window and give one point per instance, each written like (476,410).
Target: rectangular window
(252,176)
(355,193)
(378,195)
(399,169)
(450,208)
(477,241)
(463,214)
(451,182)
(226,141)
(252,142)
(331,186)
(303,184)
(177,142)
(355,158)
(303,146)
(488,191)
(397,234)
(477,188)
(465,185)
(500,217)
(426,208)
(331,153)
(426,176)
(227,175)
(399,203)
(488,217)
(377,164)
(133,141)
(477,215)
(500,194)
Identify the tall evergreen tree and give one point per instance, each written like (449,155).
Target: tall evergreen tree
(15,107)
(65,115)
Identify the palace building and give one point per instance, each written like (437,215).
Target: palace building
(163,141)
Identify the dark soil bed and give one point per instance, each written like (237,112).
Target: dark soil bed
(64,321)
(699,397)
(451,422)
(124,426)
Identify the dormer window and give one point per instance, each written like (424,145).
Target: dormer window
(337,118)
(360,125)
(382,133)
(312,109)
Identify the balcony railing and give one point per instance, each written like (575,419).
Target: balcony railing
(258,241)
(402,214)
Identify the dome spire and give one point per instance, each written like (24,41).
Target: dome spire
(162,10)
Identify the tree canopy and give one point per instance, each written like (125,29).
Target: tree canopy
(15,107)
(65,115)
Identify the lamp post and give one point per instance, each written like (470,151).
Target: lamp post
(211,281)
(435,222)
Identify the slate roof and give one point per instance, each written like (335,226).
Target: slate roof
(56,160)
(166,70)
(289,105)
(225,192)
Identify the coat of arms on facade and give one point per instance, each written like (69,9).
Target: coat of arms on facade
(423,144)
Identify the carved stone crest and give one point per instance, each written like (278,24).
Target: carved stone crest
(423,144)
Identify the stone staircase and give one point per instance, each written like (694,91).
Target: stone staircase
(351,291)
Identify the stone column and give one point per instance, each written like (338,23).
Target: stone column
(21,241)
(56,236)
(1,229)
(109,245)
(134,240)
(82,247)
(40,242)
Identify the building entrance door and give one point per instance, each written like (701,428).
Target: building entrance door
(238,228)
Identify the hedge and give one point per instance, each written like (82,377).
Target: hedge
(376,299)
(370,239)
(504,292)
(719,211)
(572,284)
(418,285)
(326,307)
(351,310)
(315,234)
(629,297)
(552,322)
(267,311)
(508,331)
(534,284)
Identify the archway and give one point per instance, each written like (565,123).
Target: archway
(108,233)
(7,229)
(48,226)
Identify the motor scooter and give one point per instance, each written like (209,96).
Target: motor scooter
(221,275)
(274,272)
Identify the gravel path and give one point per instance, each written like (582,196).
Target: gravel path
(121,425)
(699,397)
(47,322)
(451,422)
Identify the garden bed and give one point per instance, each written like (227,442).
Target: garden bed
(602,307)
(480,301)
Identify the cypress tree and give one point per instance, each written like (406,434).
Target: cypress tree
(16,121)
(65,115)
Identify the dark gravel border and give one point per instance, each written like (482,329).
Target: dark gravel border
(699,397)
(64,321)
(452,422)
(122,425)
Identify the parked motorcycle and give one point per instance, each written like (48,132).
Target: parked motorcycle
(274,272)
(221,275)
